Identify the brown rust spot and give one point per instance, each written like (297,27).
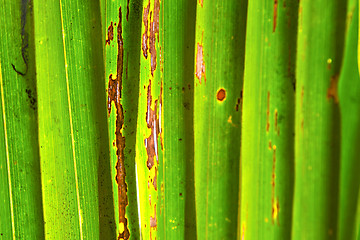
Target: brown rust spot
(155,180)
(237,104)
(277,129)
(221,95)
(268,113)
(200,63)
(154,29)
(145,34)
(201,2)
(114,95)
(153,220)
(152,121)
(270,146)
(110,34)
(275,14)
(239,101)
(333,89)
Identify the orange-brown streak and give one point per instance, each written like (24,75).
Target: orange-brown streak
(275,14)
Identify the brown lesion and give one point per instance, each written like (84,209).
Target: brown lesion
(275,14)
(145,34)
(155,180)
(154,29)
(153,123)
(332,91)
(239,102)
(200,63)
(201,2)
(277,129)
(110,34)
(221,95)
(153,220)
(114,95)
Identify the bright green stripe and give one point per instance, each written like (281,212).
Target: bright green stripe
(20,197)
(220,45)
(178,41)
(320,42)
(71,120)
(268,120)
(7,223)
(349,94)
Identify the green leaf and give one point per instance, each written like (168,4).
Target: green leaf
(72,123)
(267,153)
(219,63)
(178,219)
(349,96)
(317,121)
(20,184)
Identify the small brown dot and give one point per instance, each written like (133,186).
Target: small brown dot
(221,95)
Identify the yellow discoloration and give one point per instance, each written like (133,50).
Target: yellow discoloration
(275,211)
(231,122)
(243,228)
(121,227)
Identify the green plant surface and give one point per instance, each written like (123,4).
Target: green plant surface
(321,27)
(72,122)
(349,97)
(122,66)
(178,204)
(267,154)
(219,63)
(20,184)
(149,140)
